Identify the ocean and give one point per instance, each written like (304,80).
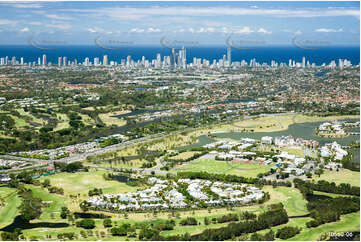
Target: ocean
(261,54)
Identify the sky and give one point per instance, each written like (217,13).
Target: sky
(240,24)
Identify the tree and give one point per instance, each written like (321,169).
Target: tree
(206,221)
(46,183)
(107,223)
(86,223)
(64,212)
(8,236)
(30,208)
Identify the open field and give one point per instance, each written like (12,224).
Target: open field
(291,198)
(275,123)
(19,123)
(82,182)
(54,201)
(86,119)
(63,121)
(32,117)
(8,208)
(281,122)
(109,120)
(294,151)
(343,176)
(213,166)
(184,155)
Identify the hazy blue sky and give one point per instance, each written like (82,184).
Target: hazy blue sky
(188,23)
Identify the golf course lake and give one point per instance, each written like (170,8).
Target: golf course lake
(298,130)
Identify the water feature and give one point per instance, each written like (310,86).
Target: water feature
(20,223)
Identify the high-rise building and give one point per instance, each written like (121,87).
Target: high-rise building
(59,61)
(96,61)
(44,60)
(229,55)
(21,60)
(39,61)
(159,60)
(172,58)
(65,61)
(105,60)
(303,62)
(340,63)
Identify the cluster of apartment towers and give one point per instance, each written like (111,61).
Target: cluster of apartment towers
(177,59)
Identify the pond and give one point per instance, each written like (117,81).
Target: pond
(121,178)
(299,130)
(20,223)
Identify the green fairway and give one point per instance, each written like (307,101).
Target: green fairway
(192,229)
(11,201)
(291,198)
(54,203)
(348,223)
(343,176)
(63,121)
(82,182)
(213,166)
(294,222)
(19,123)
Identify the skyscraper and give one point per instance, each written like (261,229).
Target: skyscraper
(172,58)
(59,61)
(64,61)
(229,55)
(44,60)
(303,62)
(105,60)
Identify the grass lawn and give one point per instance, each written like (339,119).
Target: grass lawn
(343,176)
(184,155)
(192,229)
(11,203)
(82,182)
(213,166)
(349,222)
(32,117)
(54,201)
(19,123)
(277,123)
(109,120)
(291,198)
(294,151)
(86,119)
(63,121)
